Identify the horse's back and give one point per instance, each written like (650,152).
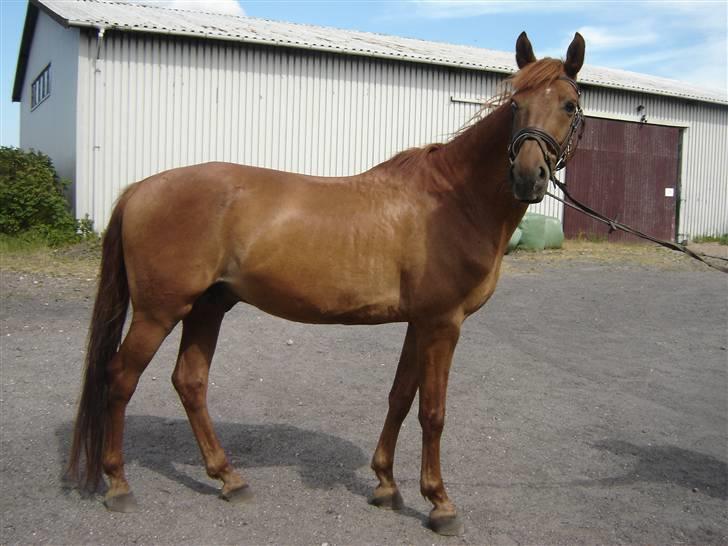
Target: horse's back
(306,248)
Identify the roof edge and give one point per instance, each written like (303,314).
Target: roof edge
(34,6)
(407,58)
(31,18)
(628,88)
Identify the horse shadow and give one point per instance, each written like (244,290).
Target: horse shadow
(666,464)
(163,445)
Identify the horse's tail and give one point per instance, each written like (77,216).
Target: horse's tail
(107,323)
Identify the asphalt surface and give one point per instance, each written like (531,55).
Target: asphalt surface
(588,403)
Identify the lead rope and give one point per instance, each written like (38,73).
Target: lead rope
(614,225)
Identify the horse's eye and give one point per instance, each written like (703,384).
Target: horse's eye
(570,107)
(514,105)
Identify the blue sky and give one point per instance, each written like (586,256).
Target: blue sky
(681,40)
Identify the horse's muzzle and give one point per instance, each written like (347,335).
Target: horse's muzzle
(530,171)
(529,187)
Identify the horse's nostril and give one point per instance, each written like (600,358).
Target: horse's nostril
(542,173)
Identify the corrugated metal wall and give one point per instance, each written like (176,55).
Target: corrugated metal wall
(151,102)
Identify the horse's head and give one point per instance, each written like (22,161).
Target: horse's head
(546,117)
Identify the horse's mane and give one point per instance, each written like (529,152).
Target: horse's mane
(533,76)
(410,158)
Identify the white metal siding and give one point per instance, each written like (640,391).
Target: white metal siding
(155,102)
(51,127)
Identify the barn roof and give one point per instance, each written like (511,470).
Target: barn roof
(135,17)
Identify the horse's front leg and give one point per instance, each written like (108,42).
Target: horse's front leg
(404,388)
(435,348)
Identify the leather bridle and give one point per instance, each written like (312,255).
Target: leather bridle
(547,143)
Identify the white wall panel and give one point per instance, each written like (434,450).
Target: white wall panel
(50,127)
(159,102)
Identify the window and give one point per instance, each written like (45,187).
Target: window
(40,90)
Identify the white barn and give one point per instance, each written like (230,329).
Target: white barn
(114,92)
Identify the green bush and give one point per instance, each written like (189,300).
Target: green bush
(32,200)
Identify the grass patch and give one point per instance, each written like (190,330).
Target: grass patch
(31,254)
(602,253)
(19,244)
(591,238)
(721,239)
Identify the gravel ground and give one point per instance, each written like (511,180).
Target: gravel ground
(588,403)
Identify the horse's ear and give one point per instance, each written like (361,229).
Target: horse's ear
(524,51)
(575,56)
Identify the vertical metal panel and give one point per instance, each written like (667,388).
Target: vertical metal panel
(158,103)
(83,132)
(174,101)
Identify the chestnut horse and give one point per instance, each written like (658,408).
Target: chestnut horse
(417,239)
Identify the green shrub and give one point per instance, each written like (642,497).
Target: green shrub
(32,201)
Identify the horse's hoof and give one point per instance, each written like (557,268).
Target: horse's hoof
(389,501)
(238,496)
(126,502)
(448,526)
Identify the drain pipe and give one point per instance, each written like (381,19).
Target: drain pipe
(99,40)
(97,101)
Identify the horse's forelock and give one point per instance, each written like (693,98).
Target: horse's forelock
(535,75)
(532,76)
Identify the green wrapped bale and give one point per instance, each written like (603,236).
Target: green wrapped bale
(534,227)
(515,239)
(553,233)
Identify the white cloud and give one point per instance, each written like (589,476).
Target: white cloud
(702,64)
(456,9)
(228,7)
(681,41)
(600,38)
(703,12)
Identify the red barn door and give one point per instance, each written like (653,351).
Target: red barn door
(629,172)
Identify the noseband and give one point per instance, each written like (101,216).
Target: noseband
(547,143)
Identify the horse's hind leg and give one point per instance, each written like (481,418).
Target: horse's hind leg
(199,338)
(141,342)
(387,494)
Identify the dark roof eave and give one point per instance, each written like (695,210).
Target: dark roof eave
(31,18)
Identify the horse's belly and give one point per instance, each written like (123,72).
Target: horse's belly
(322,297)
(336,264)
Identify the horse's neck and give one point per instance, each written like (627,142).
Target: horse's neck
(476,162)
